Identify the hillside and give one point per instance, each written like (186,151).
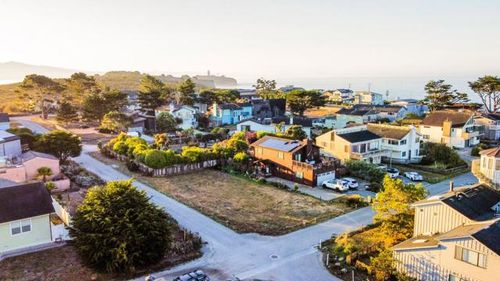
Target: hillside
(16,71)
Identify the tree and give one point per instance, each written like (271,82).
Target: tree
(66,112)
(295,132)
(488,89)
(440,95)
(117,229)
(266,89)
(43,173)
(300,100)
(27,136)
(186,92)
(208,97)
(161,141)
(115,122)
(151,91)
(43,89)
(165,122)
(61,144)
(393,208)
(97,104)
(81,82)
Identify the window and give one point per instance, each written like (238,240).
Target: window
(19,227)
(403,154)
(490,164)
(299,175)
(245,128)
(281,155)
(417,140)
(426,137)
(454,277)
(498,165)
(393,142)
(484,163)
(403,142)
(470,256)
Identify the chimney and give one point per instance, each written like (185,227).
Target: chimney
(452,188)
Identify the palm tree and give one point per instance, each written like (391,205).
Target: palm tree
(44,172)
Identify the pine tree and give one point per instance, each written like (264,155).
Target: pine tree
(66,113)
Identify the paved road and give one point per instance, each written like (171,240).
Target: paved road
(229,255)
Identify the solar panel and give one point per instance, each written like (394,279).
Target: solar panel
(280,144)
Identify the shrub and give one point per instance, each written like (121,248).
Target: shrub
(366,171)
(240,157)
(196,154)
(132,166)
(50,186)
(155,159)
(440,153)
(120,147)
(355,200)
(237,144)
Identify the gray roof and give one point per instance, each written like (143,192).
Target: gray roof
(490,237)
(475,202)
(34,154)
(24,201)
(280,144)
(6,137)
(359,136)
(5,183)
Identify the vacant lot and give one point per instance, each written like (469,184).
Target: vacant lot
(240,203)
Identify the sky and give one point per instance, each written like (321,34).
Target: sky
(248,39)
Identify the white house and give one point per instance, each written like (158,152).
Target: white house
(402,143)
(456,237)
(453,128)
(275,125)
(364,97)
(10,145)
(489,164)
(4,121)
(187,114)
(490,123)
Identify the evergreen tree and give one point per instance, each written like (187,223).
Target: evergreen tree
(66,113)
(440,95)
(488,89)
(300,100)
(186,92)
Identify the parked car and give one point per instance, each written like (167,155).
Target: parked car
(197,275)
(339,185)
(351,182)
(393,173)
(414,176)
(382,166)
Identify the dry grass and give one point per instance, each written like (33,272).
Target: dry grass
(239,203)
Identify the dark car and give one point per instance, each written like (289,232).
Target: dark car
(197,275)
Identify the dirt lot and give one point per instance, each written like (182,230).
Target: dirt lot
(241,204)
(63,263)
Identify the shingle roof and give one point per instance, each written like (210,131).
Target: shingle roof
(418,242)
(4,117)
(303,121)
(436,118)
(24,201)
(359,136)
(474,202)
(490,237)
(495,151)
(492,116)
(234,106)
(388,131)
(34,154)
(6,136)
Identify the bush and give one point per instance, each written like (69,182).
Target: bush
(440,153)
(120,147)
(155,159)
(355,200)
(475,151)
(132,166)
(50,186)
(196,154)
(366,171)
(240,157)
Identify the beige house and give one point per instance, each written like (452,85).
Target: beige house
(24,217)
(453,128)
(489,164)
(24,168)
(353,143)
(456,237)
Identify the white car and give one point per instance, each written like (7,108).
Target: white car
(414,176)
(393,173)
(339,185)
(351,182)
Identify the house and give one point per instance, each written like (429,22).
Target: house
(489,164)
(10,144)
(402,143)
(456,237)
(4,121)
(339,96)
(411,106)
(325,116)
(365,97)
(187,114)
(231,113)
(353,143)
(268,108)
(24,167)
(453,128)
(275,125)
(490,124)
(24,217)
(390,112)
(292,160)
(355,115)
(141,121)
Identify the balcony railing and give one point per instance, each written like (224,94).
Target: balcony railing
(368,153)
(471,134)
(317,167)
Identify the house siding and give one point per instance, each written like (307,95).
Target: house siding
(40,234)
(436,218)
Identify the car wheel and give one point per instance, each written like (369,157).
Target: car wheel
(324,185)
